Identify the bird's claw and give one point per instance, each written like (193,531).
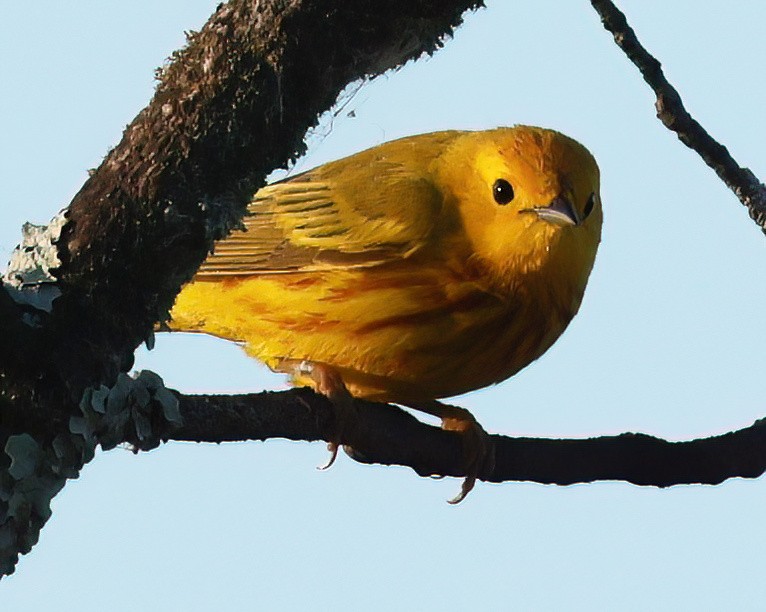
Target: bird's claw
(329,383)
(333,448)
(478,449)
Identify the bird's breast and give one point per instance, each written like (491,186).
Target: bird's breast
(396,333)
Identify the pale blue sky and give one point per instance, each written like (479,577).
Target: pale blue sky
(669,340)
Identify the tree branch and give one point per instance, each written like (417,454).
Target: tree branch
(230,107)
(388,435)
(671,111)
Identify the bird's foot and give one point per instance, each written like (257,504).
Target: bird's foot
(330,384)
(478,449)
(326,380)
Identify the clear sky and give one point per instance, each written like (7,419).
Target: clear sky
(669,340)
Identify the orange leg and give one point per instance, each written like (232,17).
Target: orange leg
(478,450)
(327,381)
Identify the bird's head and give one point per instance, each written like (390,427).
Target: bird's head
(528,199)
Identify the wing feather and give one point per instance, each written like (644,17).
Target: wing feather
(373,207)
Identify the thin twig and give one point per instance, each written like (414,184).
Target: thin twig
(670,110)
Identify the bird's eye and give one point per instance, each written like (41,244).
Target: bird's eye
(589,206)
(502,191)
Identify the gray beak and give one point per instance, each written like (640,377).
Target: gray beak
(559,212)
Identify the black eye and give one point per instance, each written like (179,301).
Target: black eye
(502,191)
(589,206)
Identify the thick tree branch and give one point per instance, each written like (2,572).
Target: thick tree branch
(671,111)
(233,105)
(389,435)
(230,107)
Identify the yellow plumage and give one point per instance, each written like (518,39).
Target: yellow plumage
(403,269)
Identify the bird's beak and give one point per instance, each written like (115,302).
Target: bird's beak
(559,212)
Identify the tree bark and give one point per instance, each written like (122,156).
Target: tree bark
(230,107)
(389,435)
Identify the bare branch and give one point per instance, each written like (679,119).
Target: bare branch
(670,110)
(230,107)
(388,435)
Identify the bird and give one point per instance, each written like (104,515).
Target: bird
(419,269)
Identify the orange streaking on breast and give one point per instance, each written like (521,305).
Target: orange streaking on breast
(419,269)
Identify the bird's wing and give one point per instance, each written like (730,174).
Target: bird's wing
(368,209)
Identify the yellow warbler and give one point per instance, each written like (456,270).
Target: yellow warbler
(419,269)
